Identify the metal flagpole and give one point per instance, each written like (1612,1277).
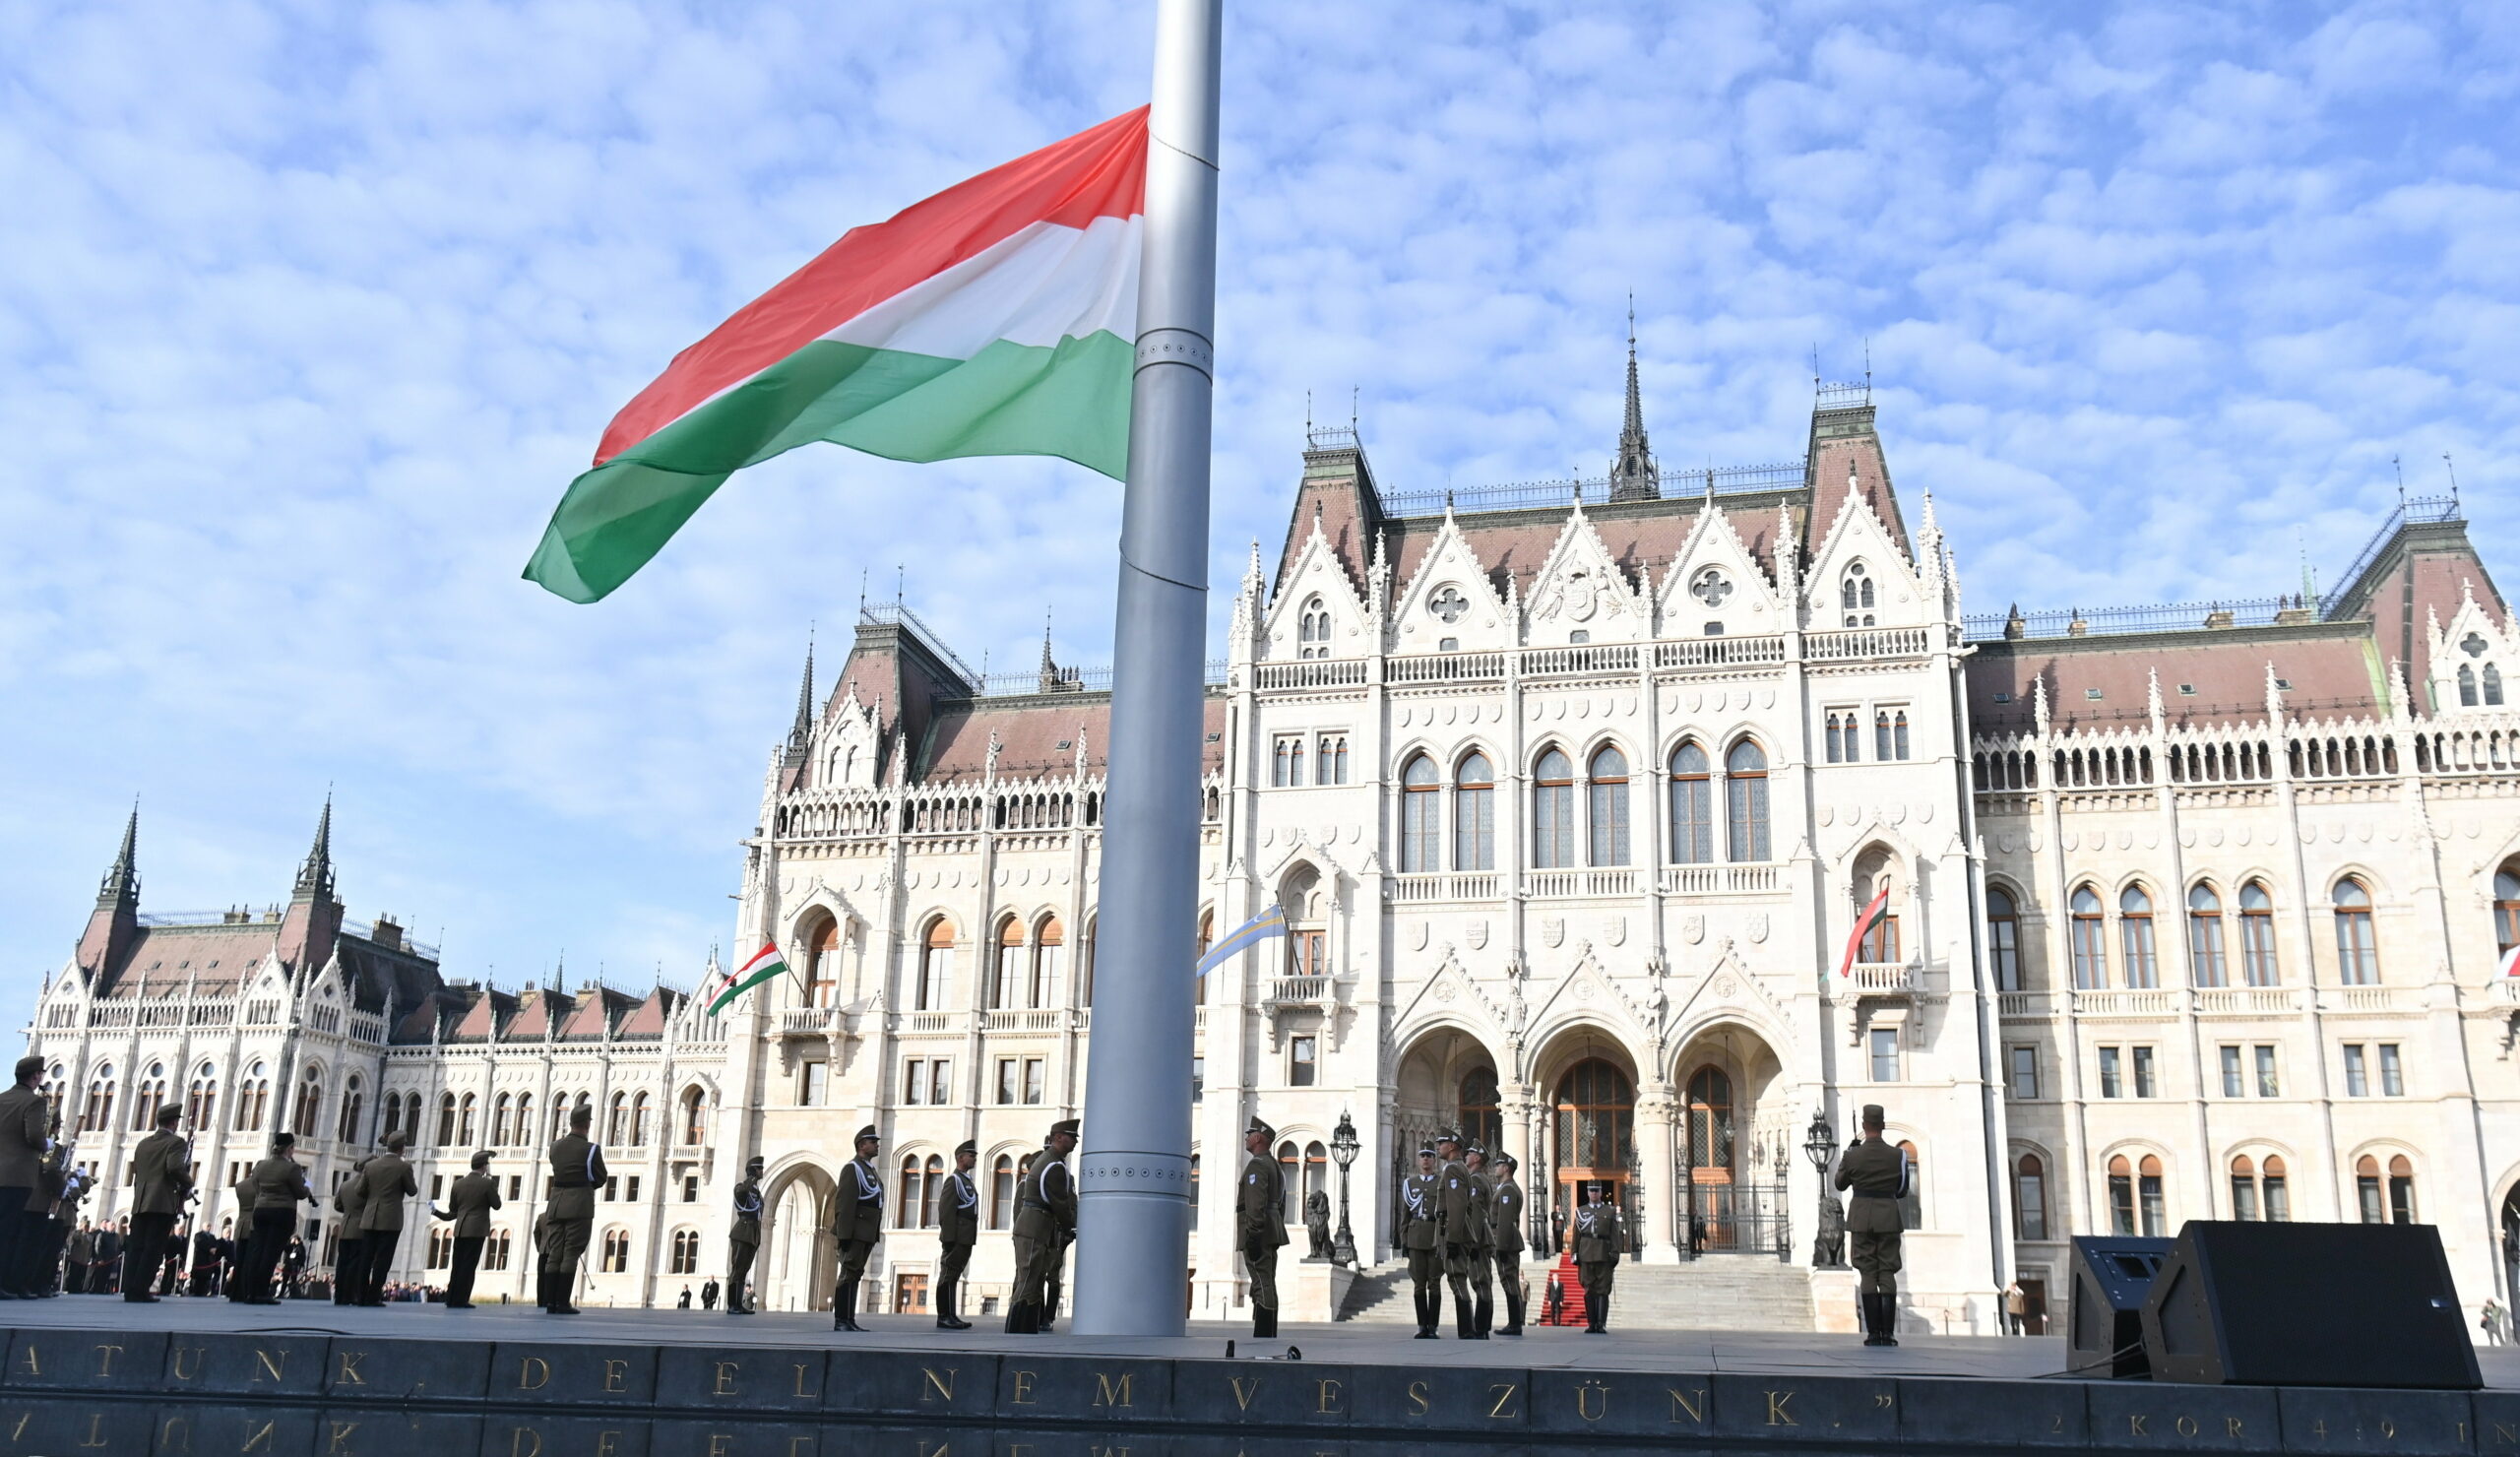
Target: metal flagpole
(1133,1176)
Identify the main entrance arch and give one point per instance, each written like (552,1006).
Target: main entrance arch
(1588,1132)
(1734,1144)
(798,1262)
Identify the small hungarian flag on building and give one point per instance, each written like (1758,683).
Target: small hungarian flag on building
(1873,915)
(998,317)
(765,964)
(2511,962)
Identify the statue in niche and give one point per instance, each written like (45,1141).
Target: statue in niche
(1316,1222)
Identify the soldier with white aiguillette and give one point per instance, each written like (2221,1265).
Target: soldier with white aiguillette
(470,1201)
(1599,1243)
(1045,1222)
(958,1231)
(1454,1197)
(859,1228)
(1879,1174)
(577,1172)
(1482,1241)
(1505,1227)
(1421,1233)
(743,1242)
(1260,1225)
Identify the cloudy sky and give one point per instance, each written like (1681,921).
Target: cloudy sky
(309,311)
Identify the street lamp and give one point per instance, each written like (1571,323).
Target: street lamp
(1343,1148)
(1829,1247)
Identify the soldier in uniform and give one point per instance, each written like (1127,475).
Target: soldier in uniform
(958,1229)
(350,1254)
(1454,1197)
(25,1138)
(162,1175)
(1505,1226)
(1879,1172)
(469,1203)
(577,1172)
(860,1227)
(1482,1241)
(743,1242)
(1044,1221)
(386,1182)
(1260,1225)
(279,1181)
(1599,1243)
(1421,1233)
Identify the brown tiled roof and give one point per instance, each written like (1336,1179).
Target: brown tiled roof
(649,1018)
(598,1010)
(214,958)
(2332,667)
(537,1011)
(1643,536)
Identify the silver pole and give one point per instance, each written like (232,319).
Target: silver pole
(1133,1176)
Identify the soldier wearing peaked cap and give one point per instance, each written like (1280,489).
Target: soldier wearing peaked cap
(1421,1233)
(1599,1243)
(958,1229)
(743,1240)
(1260,1225)
(1045,1222)
(1483,1241)
(1455,1196)
(1505,1226)
(577,1172)
(858,1228)
(1878,1172)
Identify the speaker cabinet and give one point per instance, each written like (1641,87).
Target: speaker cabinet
(2105,1303)
(2308,1305)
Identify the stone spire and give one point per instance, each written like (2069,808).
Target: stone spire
(1634,477)
(314,917)
(801,734)
(315,876)
(122,878)
(115,923)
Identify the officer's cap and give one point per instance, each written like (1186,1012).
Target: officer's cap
(1261,1128)
(1448,1136)
(28,1067)
(1873,1116)
(1472,1148)
(1508,1161)
(966,1146)
(1063,1125)
(1425,1151)
(868,1132)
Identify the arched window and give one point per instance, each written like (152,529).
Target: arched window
(201,1100)
(1207,939)
(1745,793)
(2507,905)
(1307,929)
(1482,1122)
(494,1251)
(931,1188)
(685,1258)
(524,1135)
(616,1251)
(2401,1172)
(1607,809)
(1836,735)
(2205,936)
(1312,630)
(1475,814)
(2385,1203)
(1881,736)
(1912,1204)
(1084,962)
(353,1108)
(1007,979)
(2029,1198)
(1692,807)
(2003,939)
(822,963)
(392,1116)
(1899,733)
(1421,817)
(446,1121)
(2492,686)
(146,1096)
(1553,812)
(254,1099)
(639,1121)
(464,1128)
(1880,943)
(1290,1183)
(1597,1119)
(2358,955)
(2091,952)
(2467,686)
(500,1108)
(2148,1197)
(100,1112)
(1316,1172)
(2121,1196)
(1049,938)
(2135,936)
(695,1115)
(616,1121)
(905,1194)
(935,967)
(1001,1192)
(2257,935)
(1854,597)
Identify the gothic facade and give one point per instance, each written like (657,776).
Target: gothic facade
(1573,796)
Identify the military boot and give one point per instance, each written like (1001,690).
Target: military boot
(1872,1334)
(1023,1318)
(1264,1322)
(1484,1320)
(1425,1320)
(844,1311)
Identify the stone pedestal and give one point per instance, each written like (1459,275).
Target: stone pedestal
(1833,1308)
(1312,1291)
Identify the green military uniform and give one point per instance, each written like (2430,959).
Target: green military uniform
(1599,1243)
(1482,1243)
(859,1228)
(1457,1198)
(161,1174)
(1421,1233)
(577,1172)
(1505,1226)
(349,1256)
(1879,1172)
(1260,1227)
(279,1181)
(958,1231)
(743,1239)
(468,1202)
(1045,1222)
(385,1182)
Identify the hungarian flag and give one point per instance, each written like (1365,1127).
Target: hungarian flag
(765,964)
(998,317)
(2511,962)
(1873,915)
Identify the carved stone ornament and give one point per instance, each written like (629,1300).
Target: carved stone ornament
(1448,603)
(1758,927)
(1552,929)
(1693,928)
(1617,935)
(1418,942)
(1477,935)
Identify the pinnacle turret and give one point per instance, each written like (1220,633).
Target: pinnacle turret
(122,880)
(802,733)
(315,876)
(1634,477)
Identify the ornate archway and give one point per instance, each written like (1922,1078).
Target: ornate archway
(798,1261)
(1733,1145)
(1586,1082)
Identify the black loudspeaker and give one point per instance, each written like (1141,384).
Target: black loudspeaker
(2105,1303)
(2308,1305)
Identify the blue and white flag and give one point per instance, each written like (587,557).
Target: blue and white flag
(1261,927)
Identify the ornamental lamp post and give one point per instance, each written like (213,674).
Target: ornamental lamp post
(1344,1149)
(1828,1246)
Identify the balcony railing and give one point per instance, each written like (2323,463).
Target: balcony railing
(2021,1004)
(1447,668)
(1719,651)
(1321,673)
(922,1021)
(804,1022)
(1558,885)
(1720,880)
(1885,979)
(1881,641)
(2137,1002)
(2244,1002)
(1024,1019)
(1445,885)
(1298,990)
(1582,659)
(2370,999)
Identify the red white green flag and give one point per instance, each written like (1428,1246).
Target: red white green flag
(764,964)
(998,317)
(1873,915)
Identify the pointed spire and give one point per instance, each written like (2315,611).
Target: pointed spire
(1634,477)
(122,878)
(315,876)
(2039,702)
(802,733)
(2153,698)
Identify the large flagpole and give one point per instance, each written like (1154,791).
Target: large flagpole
(1133,1178)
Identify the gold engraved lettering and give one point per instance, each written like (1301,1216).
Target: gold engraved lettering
(259,1440)
(1692,1402)
(2319,1428)
(532,1373)
(20,1430)
(795,1442)
(944,1384)
(614,1373)
(342,1431)
(2059,1423)
(175,1437)
(1108,1395)
(1883,1399)
(2185,1426)
(800,1380)
(1778,1416)
(1592,1401)
(1024,1388)
(33,1367)
(1328,1405)
(607,1442)
(1504,1398)
(106,1360)
(721,1443)
(349,1374)
(2388,1428)
(96,1434)
(2505,1433)
(2232,1427)
(262,1358)
(517,1439)
(726,1382)
(941,1449)
(189,1370)
(1418,1398)
(1242,1395)
(2135,1426)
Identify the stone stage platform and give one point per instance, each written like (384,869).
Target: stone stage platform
(95,1377)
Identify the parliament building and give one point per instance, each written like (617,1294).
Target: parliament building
(1573,794)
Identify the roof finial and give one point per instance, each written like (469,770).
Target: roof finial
(1634,477)
(803,729)
(2455,481)
(861,594)
(123,879)
(315,877)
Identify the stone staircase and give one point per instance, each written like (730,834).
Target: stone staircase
(1719,1292)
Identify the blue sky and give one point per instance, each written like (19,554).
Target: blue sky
(308,312)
